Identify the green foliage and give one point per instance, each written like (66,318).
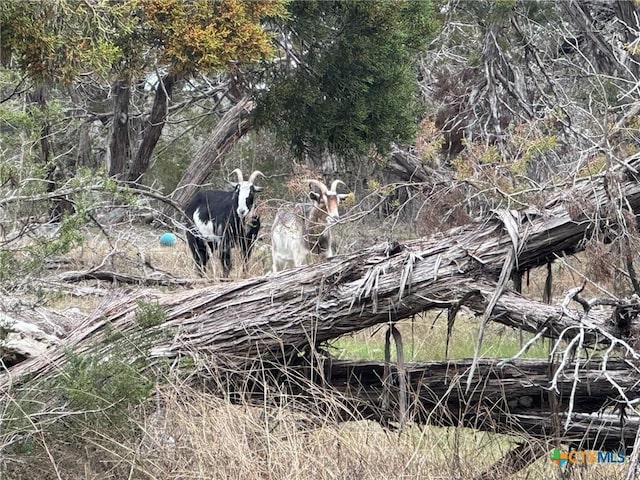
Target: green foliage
(14,121)
(19,264)
(207,35)
(594,166)
(5,329)
(110,185)
(19,133)
(356,87)
(54,43)
(69,235)
(9,265)
(56,40)
(149,314)
(112,334)
(17,412)
(103,389)
(533,150)
(490,155)
(92,399)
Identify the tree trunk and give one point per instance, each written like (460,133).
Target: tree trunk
(231,128)
(280,322)
(505,397)
(60,205)
(85,155)
(120,142)
(38,97)
(153,129)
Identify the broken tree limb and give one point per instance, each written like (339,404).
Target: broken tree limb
(515,393)
(410,168)
(278,318)
(21,340)
(283,313)
(512,398)
(230,128)
(153,279)
(516,459)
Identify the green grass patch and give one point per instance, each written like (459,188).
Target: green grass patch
(424,339)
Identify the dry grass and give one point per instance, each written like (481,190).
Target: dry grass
(192,435)
(186,434)
(215,439)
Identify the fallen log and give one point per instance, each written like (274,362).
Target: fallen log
(505,397)
(508,397)
(20,340)
(153,279)
(280,317)
(411,169)
(276,317)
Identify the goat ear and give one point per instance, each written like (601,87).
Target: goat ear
(234,185)
(314,196)
(342,196)
(257,189)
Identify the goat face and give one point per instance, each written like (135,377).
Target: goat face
(245,192)
(326,199)
(328,204)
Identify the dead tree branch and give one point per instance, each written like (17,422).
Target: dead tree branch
(282,318)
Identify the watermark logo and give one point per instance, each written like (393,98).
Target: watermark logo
(559,457)
(586,457)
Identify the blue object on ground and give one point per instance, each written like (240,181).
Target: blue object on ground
(167,239)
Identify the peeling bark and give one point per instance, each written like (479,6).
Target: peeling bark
(279,319)
(153,128)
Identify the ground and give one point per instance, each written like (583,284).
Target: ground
(183,432)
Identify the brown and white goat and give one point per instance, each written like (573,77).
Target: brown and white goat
(304,229)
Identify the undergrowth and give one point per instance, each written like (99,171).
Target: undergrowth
(125,415)
(183,432)
(84,418)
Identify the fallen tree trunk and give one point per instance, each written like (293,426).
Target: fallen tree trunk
(275,319)
(411,169)
(512,398)
(505,397)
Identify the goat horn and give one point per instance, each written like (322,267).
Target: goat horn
(252,177)
(335,184)
(323,188)
(239,172)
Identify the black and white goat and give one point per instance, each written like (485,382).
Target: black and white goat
(218,221)
(304,229)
